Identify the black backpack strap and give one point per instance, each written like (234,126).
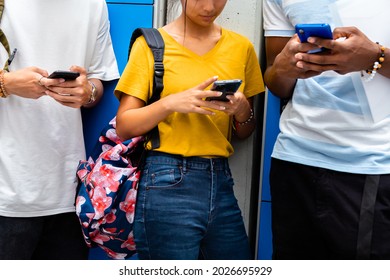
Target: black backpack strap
(156,44)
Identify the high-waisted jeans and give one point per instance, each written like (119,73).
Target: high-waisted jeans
(186,209)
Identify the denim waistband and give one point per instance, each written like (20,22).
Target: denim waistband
(218,163)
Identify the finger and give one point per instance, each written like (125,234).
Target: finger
(205,110)
(314,67)
(213,104)
(321,42)
(40,81)
(232,97)
(40,71)
(206,83)
(211,95)
(295,38)
(345,32)
(320,59)
(79,69)
(46,82)
(57,93)
(66,100)
(67,84)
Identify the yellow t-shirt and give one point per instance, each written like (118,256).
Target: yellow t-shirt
(233,57)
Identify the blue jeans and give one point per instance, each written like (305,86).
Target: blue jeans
(186,209)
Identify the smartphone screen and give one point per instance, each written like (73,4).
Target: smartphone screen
(63,74)
(226,87)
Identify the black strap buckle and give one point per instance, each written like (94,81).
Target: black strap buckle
(159,69)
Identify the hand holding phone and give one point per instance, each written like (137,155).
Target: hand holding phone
(227,87)
(64,74)
(306,30)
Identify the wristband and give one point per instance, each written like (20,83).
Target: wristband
(251,117)
(3,92)
(377,65)
(92,97)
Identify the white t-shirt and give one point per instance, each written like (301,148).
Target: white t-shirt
(41,141)
(325,123)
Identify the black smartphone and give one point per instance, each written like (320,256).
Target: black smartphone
(306,30)
(64,74)
(226,87)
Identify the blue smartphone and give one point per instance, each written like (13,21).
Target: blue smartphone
(306,30)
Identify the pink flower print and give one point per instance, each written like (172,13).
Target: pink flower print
(106,147)
(134,175)
(82,173)
(112,254)
(106,176)
(128,206)
(85,225)
(102,139)
(80,200)
(110,217)
(111,232)
(100,202)
(129,243)
(114,153)
(99,238)
(90,216)
(113,122)
(111,134)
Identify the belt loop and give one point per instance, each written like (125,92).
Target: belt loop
(226,164)
(184,165)
(366,220)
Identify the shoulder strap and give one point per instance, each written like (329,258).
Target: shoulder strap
(156,44)
(4,40)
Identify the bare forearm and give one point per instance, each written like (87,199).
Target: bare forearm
(138,121)
(279,85)
(245,129)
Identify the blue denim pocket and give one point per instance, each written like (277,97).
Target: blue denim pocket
(162,176)
(187,206)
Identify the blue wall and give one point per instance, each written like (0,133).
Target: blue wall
(125,16)
(270,134)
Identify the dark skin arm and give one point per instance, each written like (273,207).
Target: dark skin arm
(288,60)
(280,63)
(357,52)
(282,72)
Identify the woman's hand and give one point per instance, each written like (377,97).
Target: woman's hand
(193,100)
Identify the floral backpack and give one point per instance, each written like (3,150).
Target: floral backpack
(108,180)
